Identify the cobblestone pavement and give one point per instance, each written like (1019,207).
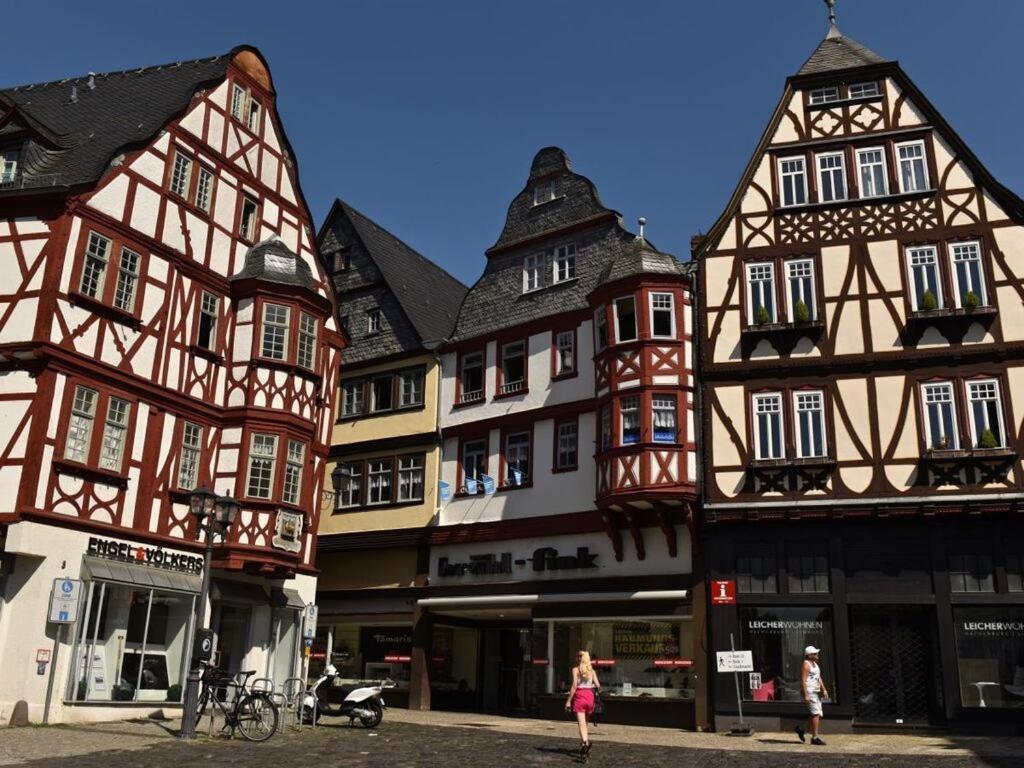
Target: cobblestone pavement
(434,740)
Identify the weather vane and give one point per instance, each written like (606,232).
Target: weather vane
(831,12)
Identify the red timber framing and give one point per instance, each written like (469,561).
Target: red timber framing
(61,327)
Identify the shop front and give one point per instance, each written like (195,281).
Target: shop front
(922,627)
(501,623)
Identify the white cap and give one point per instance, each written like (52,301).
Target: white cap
(811,649)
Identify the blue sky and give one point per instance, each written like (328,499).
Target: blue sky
(425,115)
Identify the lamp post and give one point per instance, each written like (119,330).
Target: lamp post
(213,514)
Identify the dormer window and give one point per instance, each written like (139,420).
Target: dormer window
(373,320)
(824,95)
(863,90)
(544,193)
(565,262)
(10,162)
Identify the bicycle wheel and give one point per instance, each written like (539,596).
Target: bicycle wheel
(204,700)
(257,717)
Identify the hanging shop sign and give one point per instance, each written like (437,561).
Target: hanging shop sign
(141,554)
(543,559)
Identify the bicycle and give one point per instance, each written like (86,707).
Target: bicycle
(254,713)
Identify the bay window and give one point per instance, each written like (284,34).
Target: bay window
(513,368)
(925,284)
(472,377)
(565,262)
(874,180)
(350,492)
(379,481)
(565,353)
(968,275)
(275,331)
(294,460)
(606,427)
(663,408)
(629,413)
(306,354)
(913,171)
(600,329)
(831,177)
(517,457)
(810,423)
(262,465)
(761,293)
(663,316)
(410,478)
(800,277)
(792,181)
(625,319)
(940,416)
(986,414)
(567,448)
(189,459)
(769,443)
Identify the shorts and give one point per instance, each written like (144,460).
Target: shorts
(583,701)
(814,704)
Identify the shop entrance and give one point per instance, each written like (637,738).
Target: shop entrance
(506,666)
(893,661)
(231,626)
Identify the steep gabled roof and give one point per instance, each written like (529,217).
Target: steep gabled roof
(82,127)
(427,294)
(642,258)
(837,52)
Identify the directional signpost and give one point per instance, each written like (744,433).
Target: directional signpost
(736,661)
(65,598)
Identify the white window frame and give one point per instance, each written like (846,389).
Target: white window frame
(801,399)
(10,159)
(938,393)
(127,287)
(204,189)
(411,381)
(78,443)
(238,96)
(861,165)
(533,272)
(841,193)
(523,447)
(284,328)
(472,358)
(190,456)
(248,225)
(969,387)
(351,485)
(664,403)
(865,87)
(567,444)
(900,160)
(390,379)
(268,460)
(507,352)
(601,322)
(811,299)
(769,281)
(97,260)
(912,254)
(355,404)
(671,309)
(784,175)
(634,411)
(561,367)
(373,320)
(636,319)
(305,352)
(964,247)
(481,452)
(381,477)
(409,467)
(115,433)
(759,450)
(827,94)
(181,173)
(544,192)
(209,306)
(295,458)
(253,114)
(563,265)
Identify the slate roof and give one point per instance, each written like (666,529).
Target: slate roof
(272,261)
(642,258)
(427,294)
(837,52)
(76,140)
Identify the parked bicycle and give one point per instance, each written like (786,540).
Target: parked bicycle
(252,713)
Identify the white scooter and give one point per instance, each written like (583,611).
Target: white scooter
(364,702)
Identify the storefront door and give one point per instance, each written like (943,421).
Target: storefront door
(505,673)
(893,670)
(232,630)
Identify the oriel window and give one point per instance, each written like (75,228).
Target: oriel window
(663,409)
(663,320)
(275,331)
(629,410)
(625,319)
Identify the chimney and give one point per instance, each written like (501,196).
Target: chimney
(91,83)
(74,94)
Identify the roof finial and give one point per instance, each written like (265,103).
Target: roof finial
(641,221)
(833,30)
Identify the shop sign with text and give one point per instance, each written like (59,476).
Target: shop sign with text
(541,560)
(141,554)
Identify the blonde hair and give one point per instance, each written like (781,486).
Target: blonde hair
(583,662)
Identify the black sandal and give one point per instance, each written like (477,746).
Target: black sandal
(586,752)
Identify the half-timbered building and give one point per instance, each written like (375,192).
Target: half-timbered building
(164,325)
(565,412)
(861,365)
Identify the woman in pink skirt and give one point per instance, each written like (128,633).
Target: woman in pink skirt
(581,697)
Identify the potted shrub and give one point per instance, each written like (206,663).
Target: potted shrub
(174,693)
(971,301)
(929,302)
(801,313)
(987,439)
(762,316)
(124,691)
(942,443)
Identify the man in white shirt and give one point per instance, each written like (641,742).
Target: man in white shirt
(813,687)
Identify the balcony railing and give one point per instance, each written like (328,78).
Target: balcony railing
(471,397)
(511,387)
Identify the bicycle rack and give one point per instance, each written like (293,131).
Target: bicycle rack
(294,690)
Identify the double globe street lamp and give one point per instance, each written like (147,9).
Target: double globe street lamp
(214,515)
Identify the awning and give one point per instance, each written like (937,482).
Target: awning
(227,591)
(553,597)
(283,597)
(99,569)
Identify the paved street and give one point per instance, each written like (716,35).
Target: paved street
(436,739)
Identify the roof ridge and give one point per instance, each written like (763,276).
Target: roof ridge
(133,71)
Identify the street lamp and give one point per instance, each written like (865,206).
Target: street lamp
(214,514)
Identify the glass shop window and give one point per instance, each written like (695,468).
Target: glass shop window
(777,638)
(756,573)
(990,656)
